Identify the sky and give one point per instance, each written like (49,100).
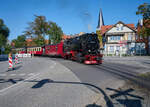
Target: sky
(73,16)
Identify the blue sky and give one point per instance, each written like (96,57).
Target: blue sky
(73,16)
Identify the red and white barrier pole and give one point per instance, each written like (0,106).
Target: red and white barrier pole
(10,61)
(16,59)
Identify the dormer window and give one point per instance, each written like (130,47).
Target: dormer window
(119,27)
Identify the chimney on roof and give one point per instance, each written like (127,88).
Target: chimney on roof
(141,22)
(100,20)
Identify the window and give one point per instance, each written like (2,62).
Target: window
(115,37)
(111,48)
(111,38)
(118,38)
(118,48)
(119,27)
(129,37)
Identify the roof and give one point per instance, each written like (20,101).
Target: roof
(106,28)
(66,37)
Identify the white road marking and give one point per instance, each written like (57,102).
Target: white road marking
(15,85)
(2,74)
(54,63)
(13,74)
(22,74)
(10,87)
(31,74)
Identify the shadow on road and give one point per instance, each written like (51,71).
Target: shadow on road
(134,102)
(93,105)
(125,98)
(15,68)
(4,59)
(41,83)
(13,81)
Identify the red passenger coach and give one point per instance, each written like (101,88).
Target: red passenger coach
(35,50)
(53,50)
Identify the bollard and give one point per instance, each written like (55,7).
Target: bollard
(10,61)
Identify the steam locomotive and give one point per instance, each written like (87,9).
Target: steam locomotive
(83,48)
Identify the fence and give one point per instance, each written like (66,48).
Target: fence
(116,53)
(4,57)
(24,55)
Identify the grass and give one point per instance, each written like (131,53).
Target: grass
(145,76)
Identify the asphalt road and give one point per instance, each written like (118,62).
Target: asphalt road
(107,75)
(28,85)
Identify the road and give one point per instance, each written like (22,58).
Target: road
(54,82)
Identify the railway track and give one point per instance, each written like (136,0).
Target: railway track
(125,73)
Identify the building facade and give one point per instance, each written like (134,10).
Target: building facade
(120,38)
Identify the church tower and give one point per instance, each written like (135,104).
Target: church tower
(100,20)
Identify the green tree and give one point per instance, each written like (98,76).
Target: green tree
(37,30)
(40,28)
(39,41)
(55,32)
(20,41)
(98,32)
(4,33)
(7,49)
(144,10)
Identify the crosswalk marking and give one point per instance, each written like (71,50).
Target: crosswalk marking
(12,74)
(23,74)
(31,74)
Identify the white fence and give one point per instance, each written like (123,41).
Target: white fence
(5,56)
(24,55)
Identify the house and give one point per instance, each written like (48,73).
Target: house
(120,38)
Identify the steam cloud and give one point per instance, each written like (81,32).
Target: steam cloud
(80,8)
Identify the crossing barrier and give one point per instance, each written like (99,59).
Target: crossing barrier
(10,61)
(16,59)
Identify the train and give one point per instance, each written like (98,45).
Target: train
(83,49)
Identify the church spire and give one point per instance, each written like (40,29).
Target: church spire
(100,20)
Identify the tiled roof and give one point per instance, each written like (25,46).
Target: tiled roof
(105,28)
(66,37)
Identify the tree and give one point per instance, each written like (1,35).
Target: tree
(39,41)
(7,49)
(40,28)
(144,10)
(37,30)
(98,32)
(20,41)
(55,33)
(4,33)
